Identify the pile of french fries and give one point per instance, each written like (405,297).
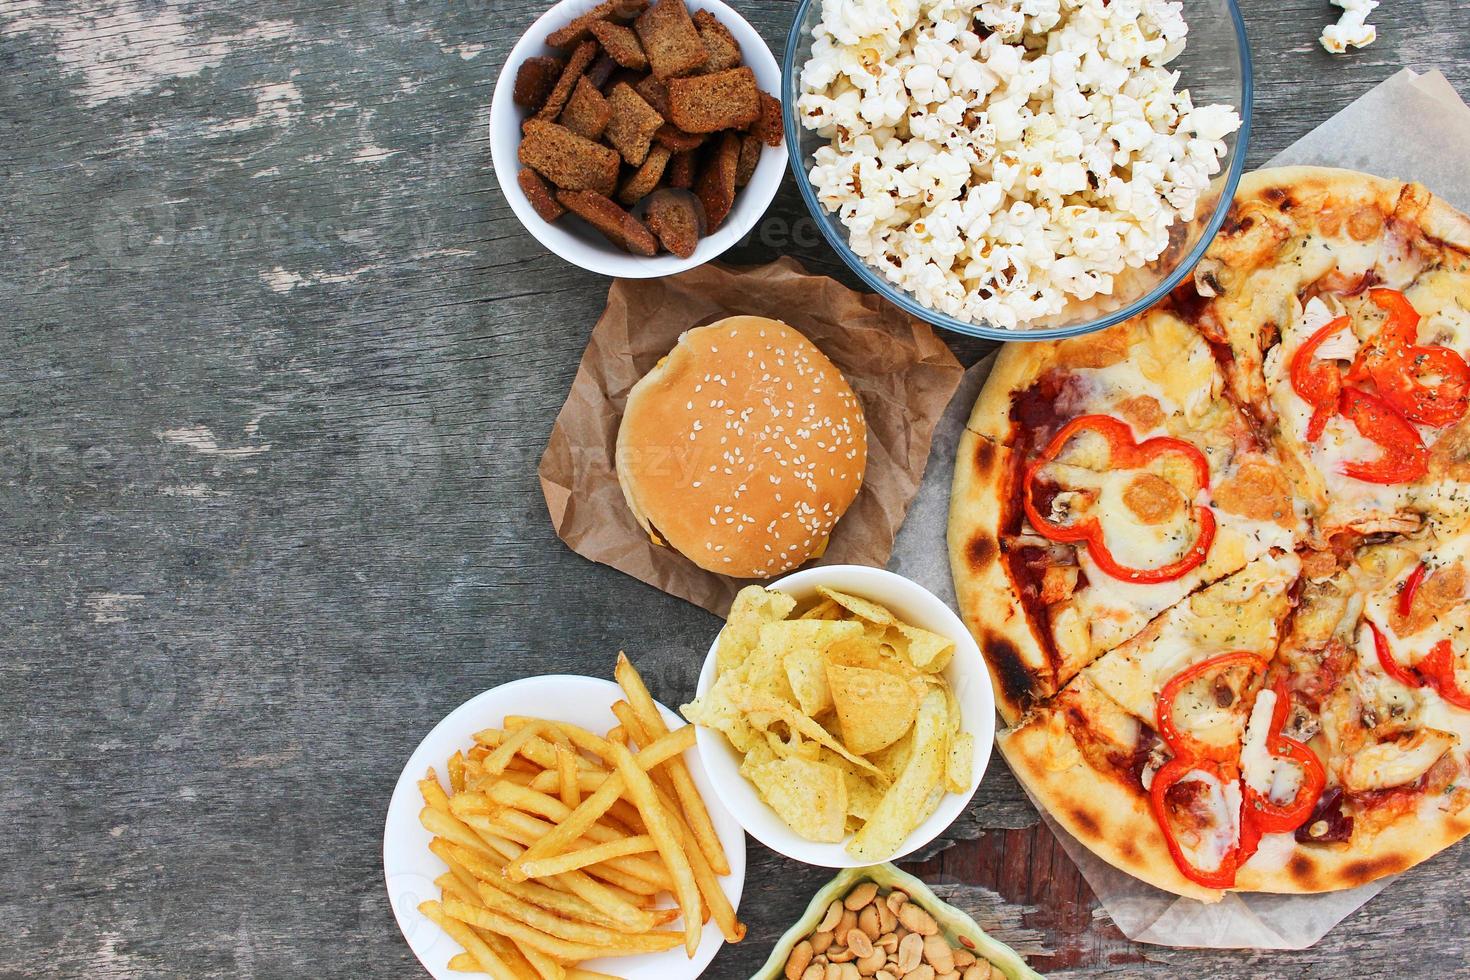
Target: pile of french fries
(560,844)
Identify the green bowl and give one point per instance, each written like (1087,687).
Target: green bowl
(958,927)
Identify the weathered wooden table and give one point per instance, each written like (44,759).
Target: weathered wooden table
(278,366)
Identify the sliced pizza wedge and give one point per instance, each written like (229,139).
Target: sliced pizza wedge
(1102,480)
(1339,304)
(1143,756)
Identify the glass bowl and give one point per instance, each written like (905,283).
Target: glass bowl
(1215,66)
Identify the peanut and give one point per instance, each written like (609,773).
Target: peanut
(885,975)
(799,960)
(832,972)
(921,972)
(888,941)
(917,920)
(872,963)
(910,952)
(963,958)
(887,920)
(895,899)
(859,943)
(840,954)
(861,895)
(868,922)
(829,921)
(938,954)
(813,972)
(951,975)
(847,922)
(977,971)
(996,973)
(822,940)
(850,972)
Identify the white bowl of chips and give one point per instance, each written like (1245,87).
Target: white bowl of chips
(910,638)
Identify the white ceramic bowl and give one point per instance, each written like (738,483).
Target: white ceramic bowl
(571,237)
(966,675)
(410,868)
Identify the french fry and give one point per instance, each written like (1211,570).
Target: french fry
(466,863)
(451,828)
(464,963)
(533,827)
(566,766)
(692,804)
(496,761)
(433,792)
(575,973)
(617,734)
(569,929)
(456,772)
(519,964)
(461,933)
(715,901)
(645,798)
(570,829)
(555,946)
(596,854)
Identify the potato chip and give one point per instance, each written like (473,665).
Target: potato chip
(753,606)
(862,608)
(826,609)
(959,768)
(890,761)
(778,641)
(807,674)
(927,651)
(719,709)
(868,651)
(757,705)
(794,747)
(863,791)
(874,707)
(810,796)
(912,796)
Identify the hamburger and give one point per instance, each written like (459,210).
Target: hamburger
(742,448)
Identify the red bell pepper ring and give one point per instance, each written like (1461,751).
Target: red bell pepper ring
(1187,745)
(1410,589)
(1125,452)
(1171,773)
(1438,668)
(1261,813)
(1404,675)
(1317,382)
(1397,364)
(1404,457)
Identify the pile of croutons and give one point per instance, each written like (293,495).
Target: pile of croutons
(647,127)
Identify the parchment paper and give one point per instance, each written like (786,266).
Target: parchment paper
(1411,127)
(902,372)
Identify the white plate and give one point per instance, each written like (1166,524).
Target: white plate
(410,868)
(575,240)
(966,675)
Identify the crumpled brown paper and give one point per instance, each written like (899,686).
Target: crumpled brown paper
(901,371)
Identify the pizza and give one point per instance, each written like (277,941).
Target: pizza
(1217,557)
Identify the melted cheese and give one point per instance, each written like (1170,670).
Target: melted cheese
(1237,613)
(1256,764)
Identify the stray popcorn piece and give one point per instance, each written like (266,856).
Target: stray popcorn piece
(1000,159)
(1352,28)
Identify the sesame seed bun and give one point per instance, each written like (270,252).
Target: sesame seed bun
(742,448)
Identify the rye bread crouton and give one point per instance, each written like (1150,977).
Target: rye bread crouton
(601,70)
(682,168)
(578,30)
(674,217)
(710,103)
(768,126)
(670,40)
(715,186)
(677,140)
(724,50)
(567,160)
(646,177)
(587,111)
(576,65)
(534,81)
(633,123)
(539,193)
(621,44)
(620,227)
(654,92)
(750,158)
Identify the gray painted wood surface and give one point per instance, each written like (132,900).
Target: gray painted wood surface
(278,366)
